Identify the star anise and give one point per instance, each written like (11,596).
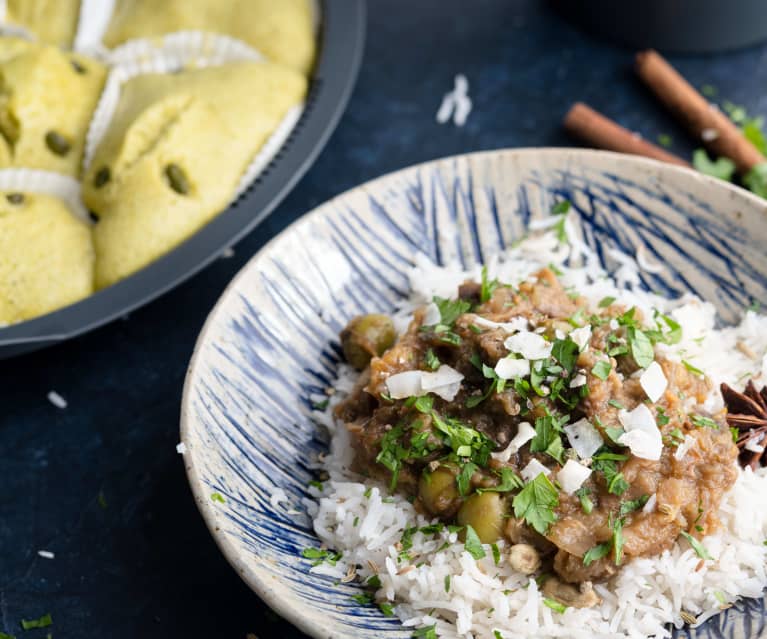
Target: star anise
(747,411)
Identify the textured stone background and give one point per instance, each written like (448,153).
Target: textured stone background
(138,562)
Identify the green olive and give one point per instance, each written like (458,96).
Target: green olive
(484,513)
(439,492)
(365,337)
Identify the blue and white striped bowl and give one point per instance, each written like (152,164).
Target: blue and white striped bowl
(271,341)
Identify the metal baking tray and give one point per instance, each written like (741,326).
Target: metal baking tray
(341,43)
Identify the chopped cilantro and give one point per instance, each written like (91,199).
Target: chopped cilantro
(368,492)
(472,544)
(362,598)
(699,549)
(475,329)
(722,168)
(606,301)
(320,555)
(632,505)
(547,438)
(497,634)
(616,483)
(42,622)
(496,553)
(610,456)
(735,434)
(321,405)
(704,422)
(752,131)
(662,419)
(641,347)
(664,139)
(675,437)
(314,483)
(693,369)
(220,499)
(427,632)
(386,608)
(451,310)
(536,503)
(614,433)
(672,336)
(431,360)
(509,481)
(464,478)
(488,286)
(447,583)
(554,605)
(423,404)
(560,231)
(374,581)
(586,504)
(601,369)
(756,180)
(615,404)
(355,522)
(561,207)
(617,528)
(565,351)
(597,552)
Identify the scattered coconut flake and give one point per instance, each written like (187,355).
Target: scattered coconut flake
(508,368)
(642,435)
(432,315)
(512,326)
(709,135)
(653,381)
(277,497)
(572,476)
(614,324)
(533,469)
(46,554)
(57,400)
(579,380)
(525,432)
(404,385)
(650,505)
(181,448)
(584,438)
(753,444)
(645,263)
(684,447)
(456,104)
(530,345)
(581,337)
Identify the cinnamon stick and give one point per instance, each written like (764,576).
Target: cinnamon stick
(704,120)
(595,129)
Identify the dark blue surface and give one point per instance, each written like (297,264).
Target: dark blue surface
(139,562)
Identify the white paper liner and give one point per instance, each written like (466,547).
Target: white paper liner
(63,187)
(171,53)
(92,24)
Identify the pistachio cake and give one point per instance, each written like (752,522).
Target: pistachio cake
(46,256)
(283,31)
(174,153)
(47,98)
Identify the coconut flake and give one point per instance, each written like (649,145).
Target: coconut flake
(432,315)
(684,447)
(533,469)
(642,435)
(404,385)
(578,381)
(530,345)
(525,432)
(645,263)
(581,337)
(508,368)
(753,444)
(653,381)
(181,448)
(57,400)
(572,476)
(584,438)
(512,326)
(650,505)
(46,554)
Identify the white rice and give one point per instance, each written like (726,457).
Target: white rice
(360,519)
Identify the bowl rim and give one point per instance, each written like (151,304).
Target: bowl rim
(209,514)
(341,39)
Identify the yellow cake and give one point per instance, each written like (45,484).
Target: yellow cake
(47,98)
(50,21)
(174,153)
(46,256)
(282,30)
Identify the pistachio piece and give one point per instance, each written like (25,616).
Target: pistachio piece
(57,143)
(103,175)
(177,179)
(15,198)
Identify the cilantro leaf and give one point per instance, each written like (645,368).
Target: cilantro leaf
(488,286)
(756,180)
(693,369)
(220,498)
(363,598)
(496,553)
(554,605)
(597,552)
(547,438)
(641,347)
(606,301)
(431,360)
(699,549)
(618,540)
(451,310)
(320,555)
(565,351)
(586,504)
(509,481)
(601,369)
(704,422)
(472,544)
(464,477)
(42,622)
(427,632)
(561,207)
(386,608)
(722,168)
(632,505)
(752,131)
(536,502)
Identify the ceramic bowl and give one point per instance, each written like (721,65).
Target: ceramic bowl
(271,342)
